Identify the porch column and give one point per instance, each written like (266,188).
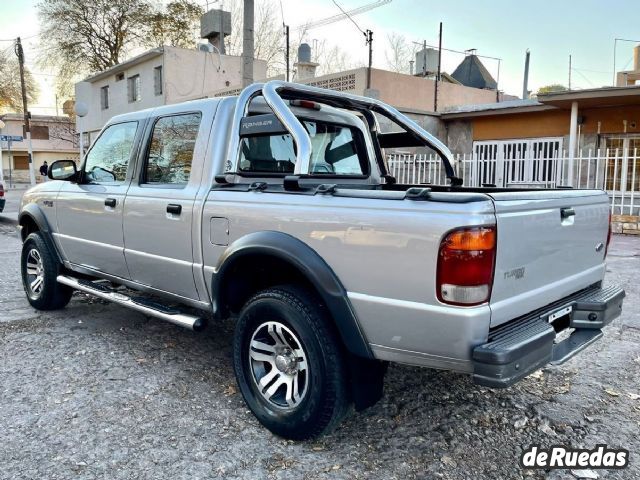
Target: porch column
(573,133)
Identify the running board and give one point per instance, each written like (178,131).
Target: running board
(140,304)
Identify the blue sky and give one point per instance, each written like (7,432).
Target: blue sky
(498,28)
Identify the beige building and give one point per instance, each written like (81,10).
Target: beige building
(630,77)
(160,76)
(53,138)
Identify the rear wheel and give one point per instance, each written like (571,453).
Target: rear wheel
(289,363)
(40,268)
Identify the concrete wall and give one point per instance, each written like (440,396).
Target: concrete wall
(191,74)
(459,137)
(407,91)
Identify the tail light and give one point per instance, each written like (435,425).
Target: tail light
(466,262)
(609,232)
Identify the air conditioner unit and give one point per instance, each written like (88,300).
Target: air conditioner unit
(205,47)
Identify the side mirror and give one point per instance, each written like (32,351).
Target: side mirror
(63,170)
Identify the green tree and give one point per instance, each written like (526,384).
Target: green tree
(174,25)
(10,91)
(555,87)
(84,36)
(91,35)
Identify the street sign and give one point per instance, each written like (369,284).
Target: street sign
(13,138)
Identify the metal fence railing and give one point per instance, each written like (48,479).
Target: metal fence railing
(615,170)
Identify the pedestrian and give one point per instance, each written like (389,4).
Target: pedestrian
(44,169)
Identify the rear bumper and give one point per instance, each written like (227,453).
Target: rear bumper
(518,348)
(2,202)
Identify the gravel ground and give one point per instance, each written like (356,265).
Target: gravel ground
(96,391)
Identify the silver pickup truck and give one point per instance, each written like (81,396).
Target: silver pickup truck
(277,208)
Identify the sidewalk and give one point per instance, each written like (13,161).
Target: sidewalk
(13,196)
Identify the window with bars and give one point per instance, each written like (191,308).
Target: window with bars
(157,80)
(133,88)
(104,97)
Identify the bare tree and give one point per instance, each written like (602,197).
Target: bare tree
(398,53)
(10,93)
(65,131)
(270,41)
(268,34)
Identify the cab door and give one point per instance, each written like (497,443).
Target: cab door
(89,213)
(159,208)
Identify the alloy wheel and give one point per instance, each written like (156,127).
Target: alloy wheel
(279,365)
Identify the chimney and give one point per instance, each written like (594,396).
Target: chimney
(305,67)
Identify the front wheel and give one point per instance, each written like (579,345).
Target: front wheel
(40,269)
(289,363)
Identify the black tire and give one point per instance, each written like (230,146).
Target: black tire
(51,295)
(325,399)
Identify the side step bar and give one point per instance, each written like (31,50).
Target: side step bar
(140,304)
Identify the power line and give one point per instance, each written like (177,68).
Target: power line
(348,16)
(592,71)
(584,76)
(455,51)
(23,38)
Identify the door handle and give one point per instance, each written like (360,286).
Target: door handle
(567,212)
(110,202)
(174,208)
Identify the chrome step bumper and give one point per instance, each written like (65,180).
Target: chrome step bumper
(140,304)
(518,348)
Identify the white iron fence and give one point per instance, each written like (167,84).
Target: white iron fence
(615,170)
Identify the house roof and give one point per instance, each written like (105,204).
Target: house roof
(19,117)
(501,108)
(593,97)
(472,73)
(149,54)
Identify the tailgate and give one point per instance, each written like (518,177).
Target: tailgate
(550,244)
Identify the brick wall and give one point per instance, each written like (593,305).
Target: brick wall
(629,224)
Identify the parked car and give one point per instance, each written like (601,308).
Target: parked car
(277,206)
(2,199)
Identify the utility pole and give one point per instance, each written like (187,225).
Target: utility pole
(247,43)
(369,36)
(525,83)
(569,72)
(435,93)
(2,125)
(286,52)
(221,49)
(27,125)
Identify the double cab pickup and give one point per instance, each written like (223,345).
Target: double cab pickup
(276,208)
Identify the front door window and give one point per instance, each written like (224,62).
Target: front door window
(108,159)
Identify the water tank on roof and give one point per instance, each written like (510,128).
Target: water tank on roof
(426,61)
(304,53)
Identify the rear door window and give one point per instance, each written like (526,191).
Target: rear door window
(170,152)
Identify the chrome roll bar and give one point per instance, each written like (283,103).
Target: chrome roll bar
(276,91)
